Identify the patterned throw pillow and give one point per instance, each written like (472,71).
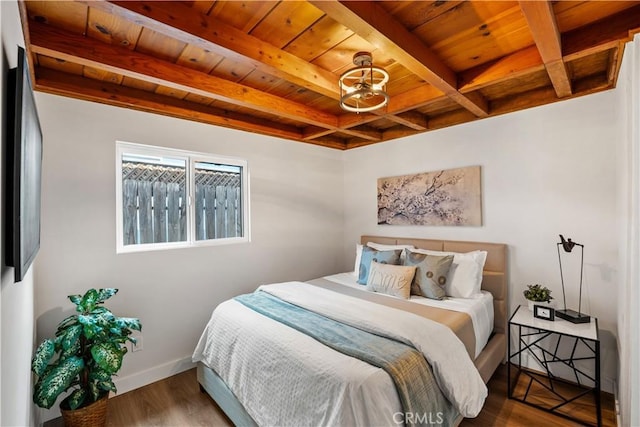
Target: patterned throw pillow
(465,276)
(394,280)
(431,273)
(383,257)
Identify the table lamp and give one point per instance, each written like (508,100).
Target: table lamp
(566,314)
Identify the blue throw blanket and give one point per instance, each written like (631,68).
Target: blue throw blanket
(422,401)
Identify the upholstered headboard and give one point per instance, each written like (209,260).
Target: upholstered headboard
(494,277)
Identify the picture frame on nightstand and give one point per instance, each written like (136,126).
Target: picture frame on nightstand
(544,312)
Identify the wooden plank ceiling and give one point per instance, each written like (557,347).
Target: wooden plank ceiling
(272,67)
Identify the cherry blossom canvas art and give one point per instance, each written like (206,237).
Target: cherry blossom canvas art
(444,197)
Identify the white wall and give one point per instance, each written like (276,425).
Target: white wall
(545,171)
(296,227)
(16,307)
(629,211)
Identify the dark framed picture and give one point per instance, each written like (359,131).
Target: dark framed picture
(544,312)
(23,171)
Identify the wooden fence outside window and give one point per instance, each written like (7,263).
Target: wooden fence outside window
(154,204)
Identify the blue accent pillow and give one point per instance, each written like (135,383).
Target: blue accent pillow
(382,257)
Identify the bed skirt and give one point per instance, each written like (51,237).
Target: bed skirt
(215,387)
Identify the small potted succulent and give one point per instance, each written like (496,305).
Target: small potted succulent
(81,359)
(537,295)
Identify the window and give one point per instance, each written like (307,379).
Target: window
(170,198)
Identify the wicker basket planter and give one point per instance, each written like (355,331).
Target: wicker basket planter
(93,415)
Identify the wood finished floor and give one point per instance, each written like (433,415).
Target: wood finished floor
(177,401)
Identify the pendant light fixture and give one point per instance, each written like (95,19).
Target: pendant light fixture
(363,88)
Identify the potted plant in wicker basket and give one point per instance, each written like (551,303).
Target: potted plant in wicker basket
(537,295)
(82,358)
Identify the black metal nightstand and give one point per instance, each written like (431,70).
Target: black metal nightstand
(554,346)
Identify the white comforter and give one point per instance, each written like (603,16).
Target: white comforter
(283,377)
(478,307)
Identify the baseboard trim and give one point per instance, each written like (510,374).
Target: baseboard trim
(616,402)
(151,375)
(134,381)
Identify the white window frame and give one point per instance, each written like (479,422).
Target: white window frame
(190,158)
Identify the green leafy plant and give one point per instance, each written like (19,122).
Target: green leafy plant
(537,293)
(84,355)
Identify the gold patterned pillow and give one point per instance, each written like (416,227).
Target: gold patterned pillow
(431,273)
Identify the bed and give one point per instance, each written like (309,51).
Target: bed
(366,402)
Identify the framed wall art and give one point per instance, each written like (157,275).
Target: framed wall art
(444,197)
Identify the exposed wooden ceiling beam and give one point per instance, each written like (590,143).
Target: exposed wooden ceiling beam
(24,21)
(402,132)
(347,121)
(543,96)
(544,29)
(450,118)
(61,44)
(59,83)
(371,22)
(615,62)
(413,120)
(418,109)
(399,104)
(368,134)
(182,22)
(313,132)
(415,98)
(597,37)
(601,35)
(372,135)
(520,63)
(522,101)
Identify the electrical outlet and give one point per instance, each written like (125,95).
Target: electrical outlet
(138,345)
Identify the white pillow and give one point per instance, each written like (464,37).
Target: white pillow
(394,280)
(383,247)
(465,275)
(378,247)
(356,266)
